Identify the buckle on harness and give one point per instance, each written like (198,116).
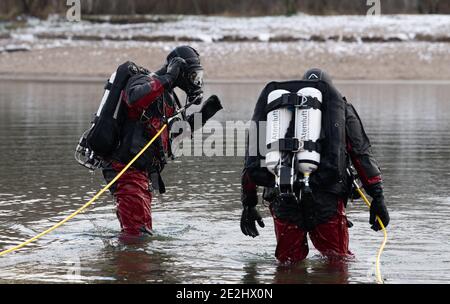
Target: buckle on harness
(290,99)
(144,117)
(301,146)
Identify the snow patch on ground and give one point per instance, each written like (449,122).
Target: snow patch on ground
(263,29)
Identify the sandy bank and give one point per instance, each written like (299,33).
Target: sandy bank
(244,60)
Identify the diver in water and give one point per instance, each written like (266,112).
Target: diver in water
(313,137)
(150,100)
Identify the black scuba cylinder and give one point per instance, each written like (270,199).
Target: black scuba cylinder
(103,136)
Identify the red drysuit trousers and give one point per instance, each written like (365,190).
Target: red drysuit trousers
(330,238)
(133,201)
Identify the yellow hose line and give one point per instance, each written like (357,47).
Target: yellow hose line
(88,203)
(380,251)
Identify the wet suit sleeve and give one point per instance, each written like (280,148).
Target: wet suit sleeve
(142,90)
(359,149)
(253,174)
(249,193)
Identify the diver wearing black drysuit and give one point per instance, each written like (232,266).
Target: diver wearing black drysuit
(343,141)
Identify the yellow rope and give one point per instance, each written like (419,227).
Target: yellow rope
(88,203)
(380,251)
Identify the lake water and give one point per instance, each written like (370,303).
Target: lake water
(197,236)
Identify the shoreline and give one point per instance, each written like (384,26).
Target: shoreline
(254,62)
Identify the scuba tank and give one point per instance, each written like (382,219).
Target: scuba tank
(277,124)
(102,138)
(308,124)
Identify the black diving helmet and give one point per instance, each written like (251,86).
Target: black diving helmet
(190,79)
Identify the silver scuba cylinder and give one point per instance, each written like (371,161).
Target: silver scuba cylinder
(277,125)
(308,123)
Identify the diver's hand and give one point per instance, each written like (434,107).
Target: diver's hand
(378,207)
(210,107)
(249,216)
(173,71)
(175,66)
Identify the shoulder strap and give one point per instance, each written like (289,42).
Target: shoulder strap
(293,99)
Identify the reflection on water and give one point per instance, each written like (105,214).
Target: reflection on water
(197,235)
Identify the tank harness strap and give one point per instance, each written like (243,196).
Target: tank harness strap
(311,146)
(295,145)
(285,145)
(293,99)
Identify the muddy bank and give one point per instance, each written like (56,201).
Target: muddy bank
(244,60)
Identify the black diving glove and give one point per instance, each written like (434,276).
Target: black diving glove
(377,207)
(210,107)
(172,72)
(249,216)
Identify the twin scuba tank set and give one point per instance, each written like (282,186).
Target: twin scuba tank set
(293,130)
